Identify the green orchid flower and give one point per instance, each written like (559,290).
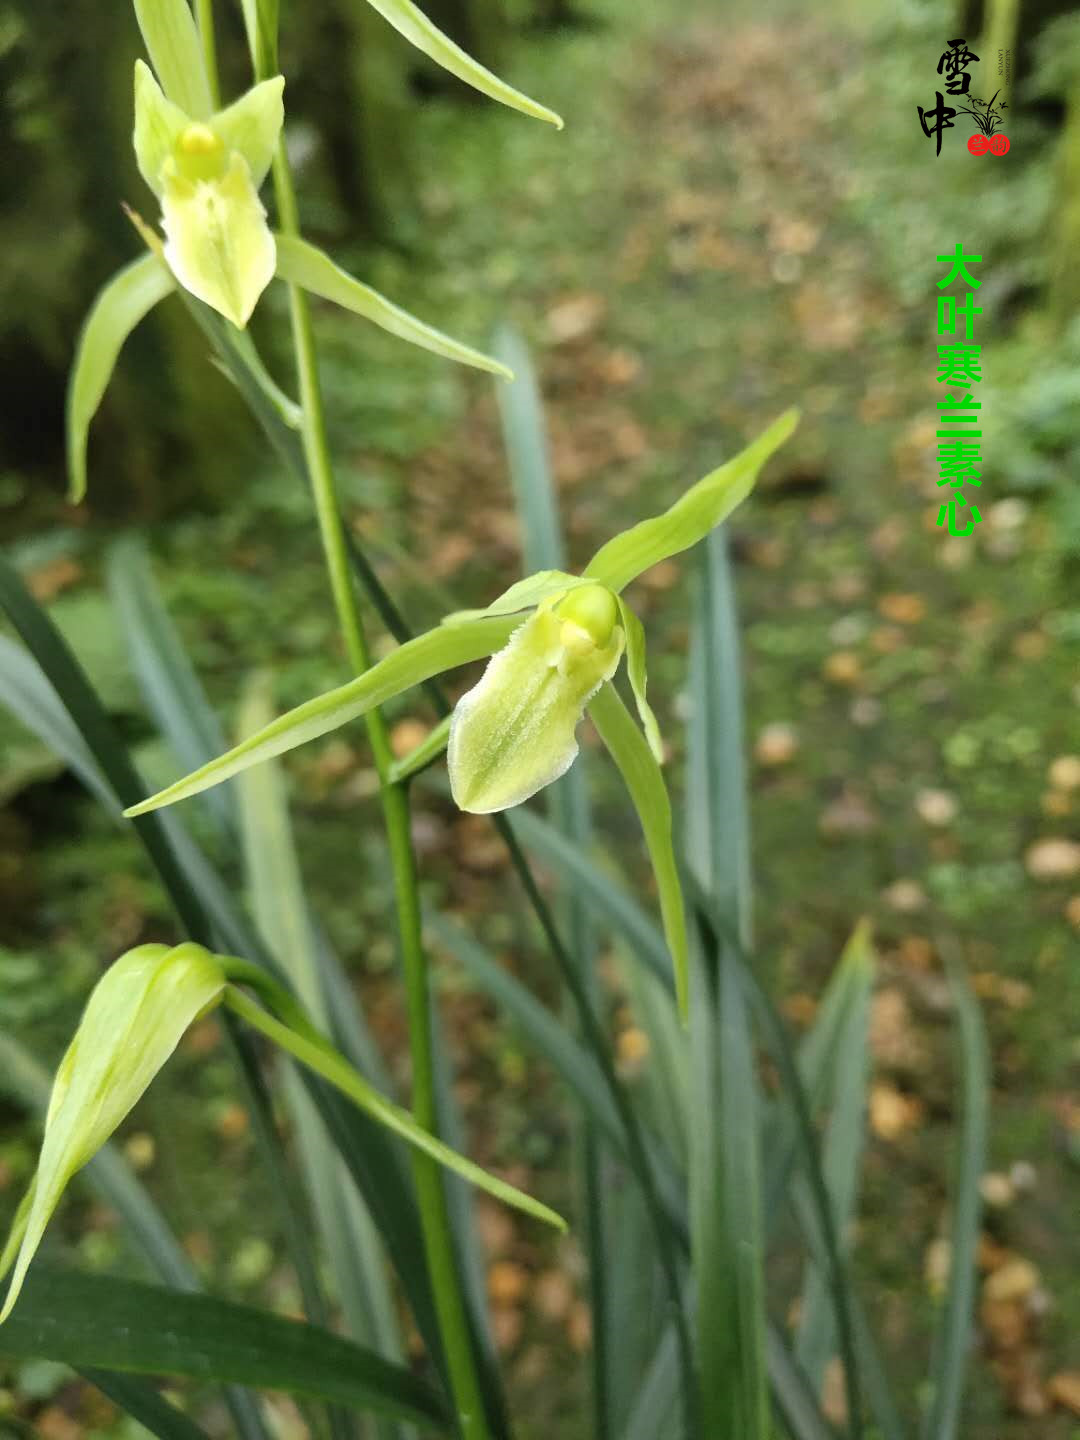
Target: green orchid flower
(205,166)
(135,1017)
(206,172)
(555,641)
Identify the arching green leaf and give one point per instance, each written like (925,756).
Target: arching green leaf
(131,294)
(637,765)
(693,515)
(440,649)
(302,264)
(407,20)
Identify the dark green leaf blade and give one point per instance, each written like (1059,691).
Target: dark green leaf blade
(952,1343)
(103,1322)
(142,1402)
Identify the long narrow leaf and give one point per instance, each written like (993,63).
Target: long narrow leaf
(363,1145)
(637,765)
(952,1343)
(411,22)
(419,659)
(840,1165)
(325,1061)
(543,1029)
(32,700)
(114,1181)
(702,507)
(303,264)
(143,1403)
(717,809)
(161,667)
(605,896)
(127,298)
(107,1323)
(277,897)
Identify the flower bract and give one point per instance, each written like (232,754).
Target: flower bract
(132,1023)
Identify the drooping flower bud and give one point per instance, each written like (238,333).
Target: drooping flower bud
(207,174)
(132,1023)
(515,731)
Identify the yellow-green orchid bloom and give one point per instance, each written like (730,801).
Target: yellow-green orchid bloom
(555,640)
(205,165)
(206,172)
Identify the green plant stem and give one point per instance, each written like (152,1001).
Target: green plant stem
(446,1282)
(667,1244)
(204,19)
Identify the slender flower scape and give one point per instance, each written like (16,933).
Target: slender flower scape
(515,731)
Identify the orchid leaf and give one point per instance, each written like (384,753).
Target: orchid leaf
(522,595)
(315,1052)
(302,264)
(129,296)
(172,42)
(289,412)
(440,649)
(693,515)
(110,1323)
(635,669)
(411,22)
(643,779)
(261,28)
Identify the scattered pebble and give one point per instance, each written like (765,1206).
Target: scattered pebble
(1015,1280)
(936,807)
(553,1294)
(902,609)
(996,1190)
(842,667)
(1064,1390)
(507,1282)
(1053,859)
(776,744)
(905,896)
(1064,772)
(936,1265)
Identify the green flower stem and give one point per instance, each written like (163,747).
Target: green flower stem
(431,1196)
(668,1243)
(204,20)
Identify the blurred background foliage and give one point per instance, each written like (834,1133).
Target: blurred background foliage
(742,213)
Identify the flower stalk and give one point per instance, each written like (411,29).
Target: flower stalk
(446,1280)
